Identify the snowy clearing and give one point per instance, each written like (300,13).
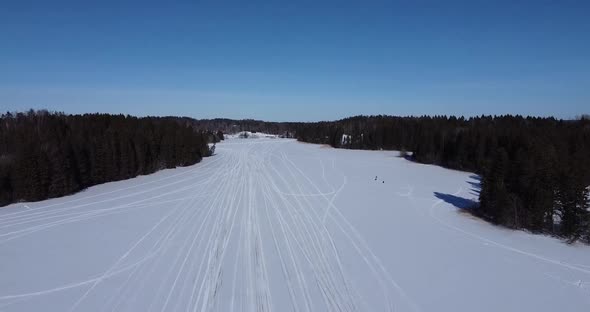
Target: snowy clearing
(277,225)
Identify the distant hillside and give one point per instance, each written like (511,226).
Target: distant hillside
(287,129)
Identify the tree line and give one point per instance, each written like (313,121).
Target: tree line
(224,125)
(535,172)
(45,155)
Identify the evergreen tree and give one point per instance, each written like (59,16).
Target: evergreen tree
(45,155)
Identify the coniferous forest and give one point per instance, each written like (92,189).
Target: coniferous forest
(45,155)
(535,172)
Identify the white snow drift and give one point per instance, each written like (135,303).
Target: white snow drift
(276,225)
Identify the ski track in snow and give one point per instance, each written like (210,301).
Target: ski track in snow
(253,228)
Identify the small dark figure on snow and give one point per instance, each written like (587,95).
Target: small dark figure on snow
(375,178)
(382,181)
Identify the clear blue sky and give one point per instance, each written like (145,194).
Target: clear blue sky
(296,60)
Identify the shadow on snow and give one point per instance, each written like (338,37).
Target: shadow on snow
(457,201)
(462,202)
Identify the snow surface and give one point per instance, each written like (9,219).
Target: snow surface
(273,224)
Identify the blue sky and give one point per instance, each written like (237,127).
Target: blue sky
(296,60)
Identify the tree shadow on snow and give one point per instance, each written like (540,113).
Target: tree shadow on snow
(475,177)
(475,185)
(463,203)
(407,157)
(457,201)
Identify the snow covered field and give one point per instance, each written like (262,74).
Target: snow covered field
(277,225)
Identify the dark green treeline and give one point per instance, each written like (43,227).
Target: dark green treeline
(45,155)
